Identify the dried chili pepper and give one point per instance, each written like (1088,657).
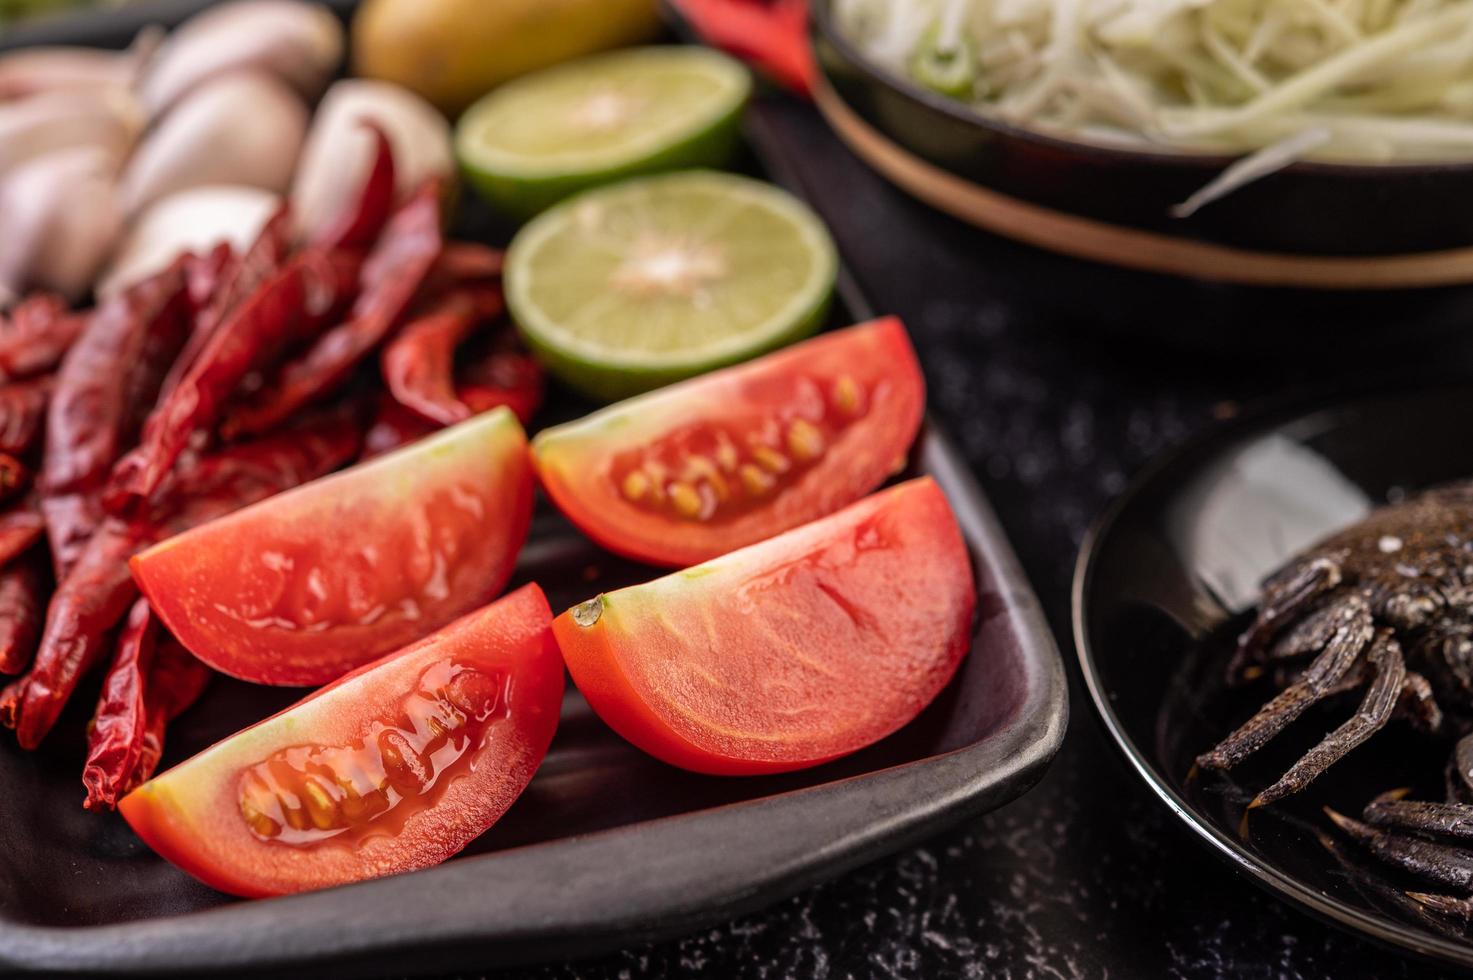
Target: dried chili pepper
(71,519)
(38,332)
(393,426)
(23,414)
(362,220)
(310,290)
(234,282)
(20,527)
(203,273)
(501,372)
(116,737)
(151,680)
(97,591)
(221,482)
(391,277)
(87,605)
(418,364)
(771,34)
(175,681)
(15,476)
(110,377)
(22,604)
(463,264)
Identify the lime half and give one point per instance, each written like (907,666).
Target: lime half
(536,140)
(629,287)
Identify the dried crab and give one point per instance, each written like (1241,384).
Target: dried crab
(1385,605)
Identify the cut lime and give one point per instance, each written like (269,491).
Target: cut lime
(625,288)
(543,137)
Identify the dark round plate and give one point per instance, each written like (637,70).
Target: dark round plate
(1169,576)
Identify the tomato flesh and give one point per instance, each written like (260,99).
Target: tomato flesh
(309,584)
(788,653)
(396,766)
(706,466)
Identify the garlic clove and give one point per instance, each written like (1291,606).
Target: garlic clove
(195,220)
(107,118)
(62,220)
(300,43)
(244,128)
(31,71)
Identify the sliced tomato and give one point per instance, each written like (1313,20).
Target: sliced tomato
(396,766)
(787,653)
(700,468)
(309,584)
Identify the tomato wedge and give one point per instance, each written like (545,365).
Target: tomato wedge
(709,465)
(788,653)
(396,766)
(307,585)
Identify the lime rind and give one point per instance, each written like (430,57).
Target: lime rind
(684,129)
(618,369)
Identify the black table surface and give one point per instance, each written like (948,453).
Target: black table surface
(1087,875)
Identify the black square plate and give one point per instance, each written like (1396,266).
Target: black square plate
(606,847)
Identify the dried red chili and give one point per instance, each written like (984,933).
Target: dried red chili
(298,301)
(213,485)
(109,378)
(23,414)
(175,681)
(71,519)
(418,364)
(234,280)
(38,332)
(116,737)
(501,373)
(391,277)
(463,264)
(20,527)
(150,681)
(203,273)
(22,604)
(98,589)
(364,217)
(771,34)
(15,477)
(87,605)
(393,426)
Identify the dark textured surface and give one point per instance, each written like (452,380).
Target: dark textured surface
(1087,875)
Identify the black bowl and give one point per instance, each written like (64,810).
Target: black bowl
(1169,576)
(1319,209)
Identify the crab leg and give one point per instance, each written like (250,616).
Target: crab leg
(1460,771)
(1319,678)
(1451,867)
(1443,819)
(1285,599)
(1418,705)
(1449,905)
(1309,635)
(1374,711)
